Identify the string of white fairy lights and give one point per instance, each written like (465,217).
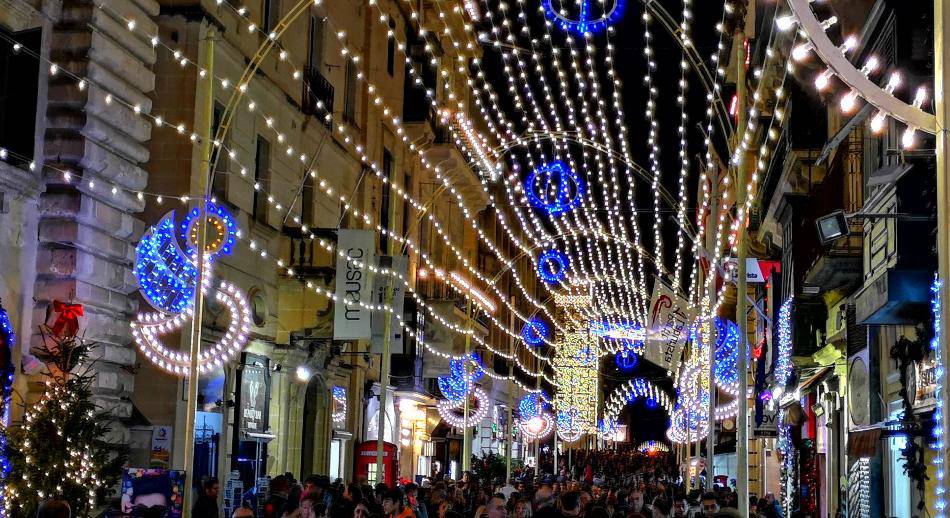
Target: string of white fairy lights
(115,188)
(400,190)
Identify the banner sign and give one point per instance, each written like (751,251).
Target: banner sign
(354,285)
(254,395)
(400,265)
(668,325)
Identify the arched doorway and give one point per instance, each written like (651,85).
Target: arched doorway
(315,428)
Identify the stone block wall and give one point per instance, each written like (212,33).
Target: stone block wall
(87,234)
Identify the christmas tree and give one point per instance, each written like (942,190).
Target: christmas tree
(59,449)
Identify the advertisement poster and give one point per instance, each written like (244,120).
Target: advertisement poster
(144,490)
(255,394)
(354,284)
(161,451)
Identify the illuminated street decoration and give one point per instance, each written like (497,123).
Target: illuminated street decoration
(585,23)
(531,405)
(552,266)
(653,447)
(626,360)
(476,143)
(727,346)
(538,427)
(458,386)
(634,390)
(534,332)
(167,278)
(608,428)
(576,377)
(535,422)
(339,405)
(7,370)
(463,284)
(453,412)
(938,443)
(463,373)
(783,365)
(554,188)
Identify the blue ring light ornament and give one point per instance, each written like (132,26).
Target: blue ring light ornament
(584,24)
(554,188)
(531,405)
(458,383)
(626,360)
(534,332)
(222,238)
(552,266)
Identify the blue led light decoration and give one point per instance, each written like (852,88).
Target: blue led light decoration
(626,360)
(783,365)
(552,266)
(7,370)
(725,370)
(534,332)
(554,188)
(167,273)
(587,21)
(531,405)
(608,428)
(459,383)
(938,443)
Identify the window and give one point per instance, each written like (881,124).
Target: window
(306,201)
(384,204)
(270,15)
(219,182)
(261,179)
(407,185)
(391,49)
(315,48)
(19,76)
(349,99)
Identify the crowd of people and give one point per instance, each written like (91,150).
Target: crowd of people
(599,485)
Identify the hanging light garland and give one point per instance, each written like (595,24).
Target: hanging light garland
(552,266)
(7,371)
(938,441)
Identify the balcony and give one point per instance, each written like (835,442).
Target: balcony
(307,257)
(317,95)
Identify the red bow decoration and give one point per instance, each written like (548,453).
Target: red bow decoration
(67,323)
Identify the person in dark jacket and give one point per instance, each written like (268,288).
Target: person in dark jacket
(206,505)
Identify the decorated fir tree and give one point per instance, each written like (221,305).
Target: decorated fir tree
(59,449)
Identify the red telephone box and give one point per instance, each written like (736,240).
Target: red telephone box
(366,462)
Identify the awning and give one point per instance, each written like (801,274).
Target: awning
(864,443)
(843,133)
(815,379)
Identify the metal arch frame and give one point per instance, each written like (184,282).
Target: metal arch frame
(846,71)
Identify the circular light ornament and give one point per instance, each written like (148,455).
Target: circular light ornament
(453,412)
(538,427)
(569,427)
(552,266)
(534,332)
(531,405)
(626,360)
(221,231)
(554,188)
(586,21)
